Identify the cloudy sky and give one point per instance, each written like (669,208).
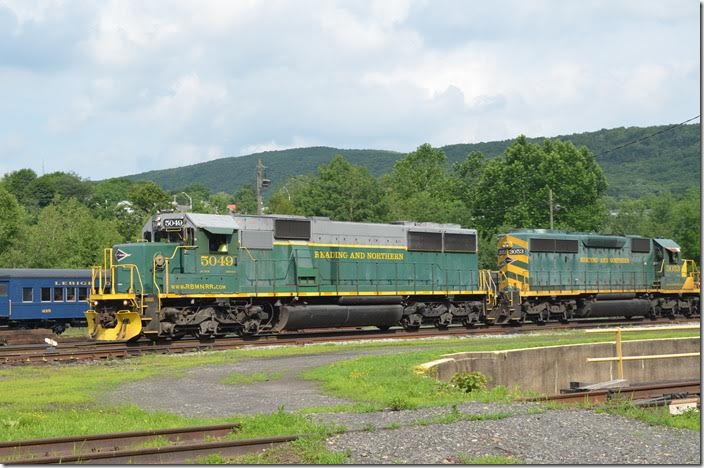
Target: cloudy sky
(109,88)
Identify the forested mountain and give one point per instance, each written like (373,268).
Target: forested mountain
(668,162)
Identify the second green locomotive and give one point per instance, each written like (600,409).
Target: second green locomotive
(556,275)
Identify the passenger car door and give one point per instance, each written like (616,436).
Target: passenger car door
(4,299)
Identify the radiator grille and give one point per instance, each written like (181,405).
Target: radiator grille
(425,241)
(292,229)
(460,242)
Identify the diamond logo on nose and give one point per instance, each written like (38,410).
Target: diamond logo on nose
(121,255)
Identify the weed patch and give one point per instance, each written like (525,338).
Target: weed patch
(655,416)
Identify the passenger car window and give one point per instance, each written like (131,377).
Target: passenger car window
(82,294)
(27,295)
(3,289)
(58,294)
(70,294)
(46,294)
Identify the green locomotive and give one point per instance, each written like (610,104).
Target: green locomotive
(551,274)
(210,275)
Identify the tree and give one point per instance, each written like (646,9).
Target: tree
(686,229)
(65,185)
(18,183)
(67,235)
(108,193)
(282,201)
(147,197)
(420,189)
(343,191)
(246,200)
(513,189)
(12,228)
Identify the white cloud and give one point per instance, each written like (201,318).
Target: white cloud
(122,86)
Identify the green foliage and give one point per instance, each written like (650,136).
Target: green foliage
(342,191)
(655,416)
(513,189)
(148,197)
(246,200)
(667,216)
(46,188)
(469,381)
(422,189)
(66,235)
(12,228)
(399,403)
(19,184)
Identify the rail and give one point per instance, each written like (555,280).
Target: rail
(619,358)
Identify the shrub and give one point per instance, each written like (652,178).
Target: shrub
(399,403)
(469,381)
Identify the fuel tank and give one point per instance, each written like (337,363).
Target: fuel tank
(616,308)
(330,316)
(369,300)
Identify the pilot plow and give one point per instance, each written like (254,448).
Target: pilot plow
(128,325)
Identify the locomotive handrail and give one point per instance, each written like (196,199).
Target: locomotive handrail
(102,272)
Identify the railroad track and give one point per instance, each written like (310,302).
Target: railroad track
(635,392)
(181,445)
(82,350)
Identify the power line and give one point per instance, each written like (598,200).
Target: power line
(648,136)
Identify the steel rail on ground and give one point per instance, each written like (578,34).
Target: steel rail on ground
(95,350)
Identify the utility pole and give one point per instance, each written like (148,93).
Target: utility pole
(551,223)
(262,183)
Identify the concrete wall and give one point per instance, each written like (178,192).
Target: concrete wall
(548,369)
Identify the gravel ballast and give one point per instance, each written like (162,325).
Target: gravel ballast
(552,437)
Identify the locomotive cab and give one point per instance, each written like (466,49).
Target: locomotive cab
(179,253)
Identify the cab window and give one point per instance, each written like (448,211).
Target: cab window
(674,257)
(218,243)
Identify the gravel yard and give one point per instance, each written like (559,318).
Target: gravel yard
(552,437)
(180,395)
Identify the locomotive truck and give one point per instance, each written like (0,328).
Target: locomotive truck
(555,275)
(210,275)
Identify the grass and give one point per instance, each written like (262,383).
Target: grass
(240,378)
(75,332)
(53,401)
(387,381)
(655,416)
(487,460)
(309,450)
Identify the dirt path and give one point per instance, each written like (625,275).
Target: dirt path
(200,393)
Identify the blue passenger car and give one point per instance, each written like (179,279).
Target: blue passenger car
(43,298)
